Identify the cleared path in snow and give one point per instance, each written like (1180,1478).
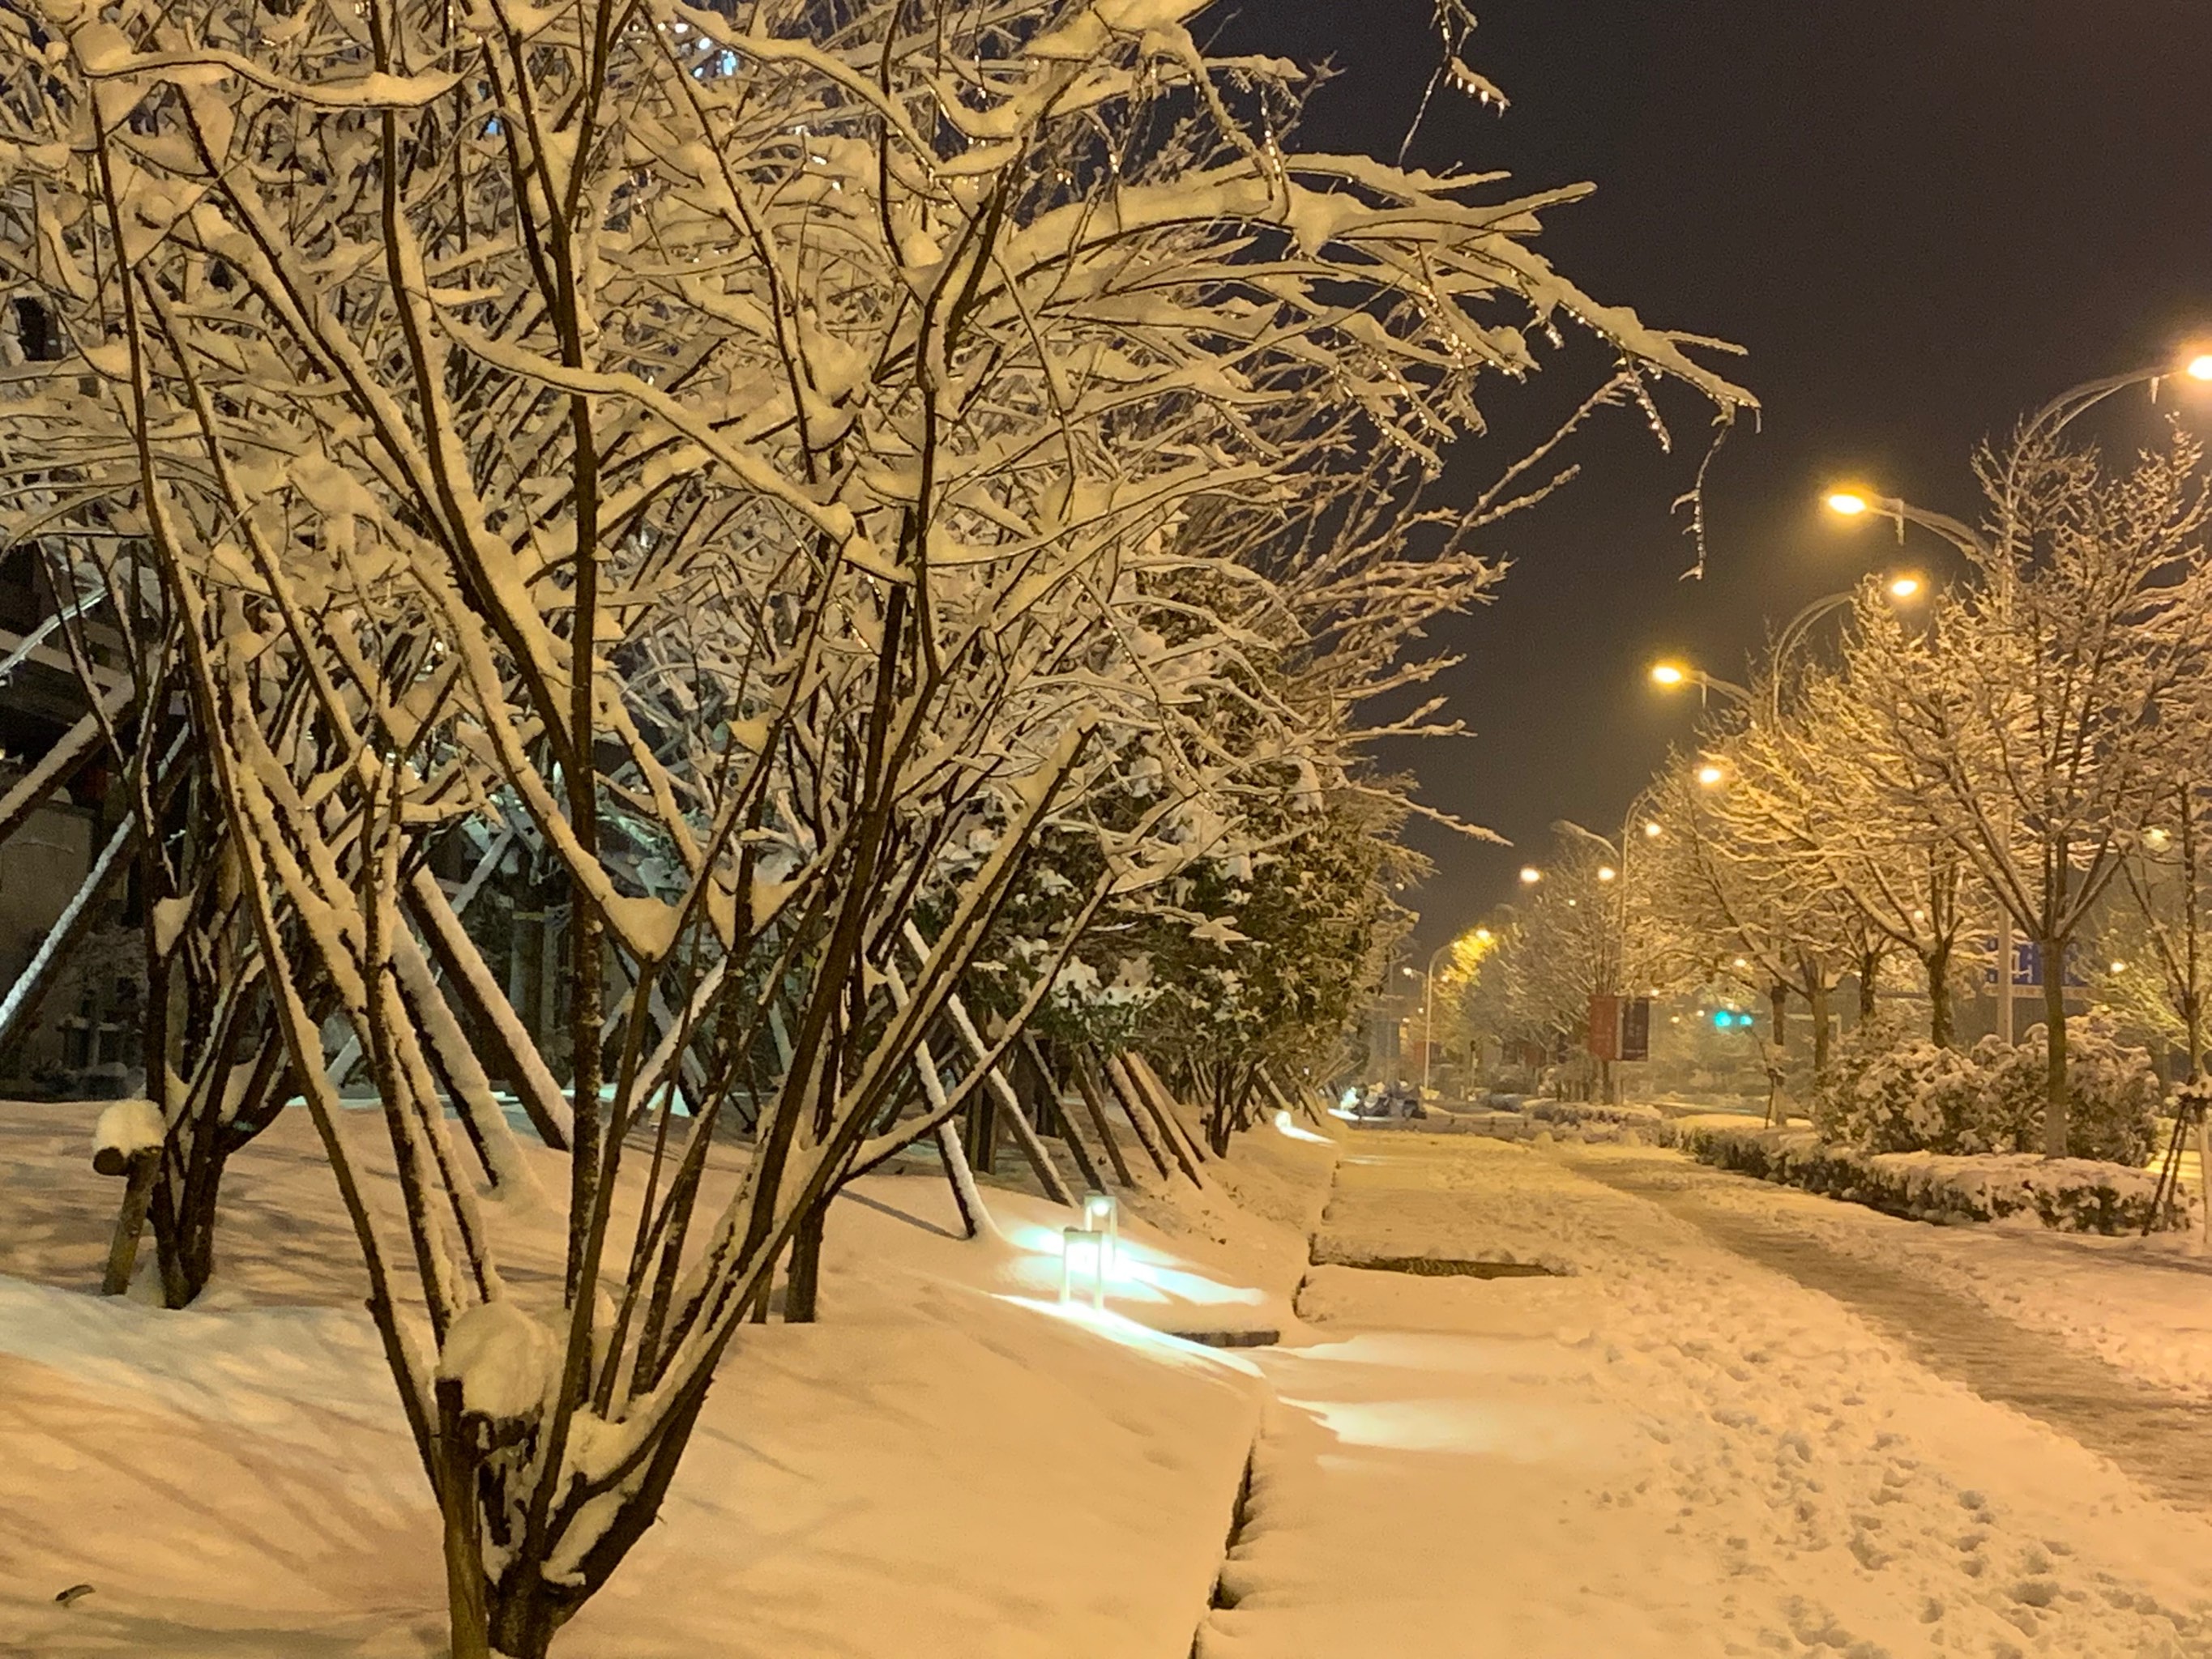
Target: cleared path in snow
(2163,1441)
(1672,1450)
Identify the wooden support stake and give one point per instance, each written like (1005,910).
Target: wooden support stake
(130,1222)
(1136,1109)
(1085,1092)
(1165,1106)
(965,1193)
(1026,1133)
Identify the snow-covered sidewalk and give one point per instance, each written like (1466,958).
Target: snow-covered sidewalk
(2142,1304)
(1671,1451)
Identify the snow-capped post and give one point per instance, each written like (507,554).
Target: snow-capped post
(793,463)
(127,1142)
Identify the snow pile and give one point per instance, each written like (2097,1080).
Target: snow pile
(2071,1195)
(503,1359)
(126,1129)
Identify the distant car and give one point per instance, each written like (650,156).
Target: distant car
(1387,1100)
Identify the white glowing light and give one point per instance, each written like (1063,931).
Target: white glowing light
(1083,1253)
(1101,1213)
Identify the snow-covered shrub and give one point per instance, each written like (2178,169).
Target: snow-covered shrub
(2072,1195)
(2012,1091)
(2114,1093)
(2113,1090)
(1834,1092)
(1917,1098)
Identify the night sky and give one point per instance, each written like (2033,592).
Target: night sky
(1920,218)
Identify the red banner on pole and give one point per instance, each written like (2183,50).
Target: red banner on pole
(1605,1027)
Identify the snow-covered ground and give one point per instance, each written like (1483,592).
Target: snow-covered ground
(2142,1304)
(1658,1448)
(947,1465)
(1669,1452)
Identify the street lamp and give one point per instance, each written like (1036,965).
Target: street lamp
(1710,775)
(1530,875)
(1852,502)
(1670,674)
(1857,504)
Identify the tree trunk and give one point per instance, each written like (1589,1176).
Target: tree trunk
(522,1627)
(2054,1026)
(1937,965)
(184,1222)
(802,1284)
(1869,969)
(1817,1002)
(2204,1240)
(468,1615)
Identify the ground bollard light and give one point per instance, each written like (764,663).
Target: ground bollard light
(1082,1250)
(1101,1213)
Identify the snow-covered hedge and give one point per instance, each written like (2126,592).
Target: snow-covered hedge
(2072,1194)
(1575,1114)
(1883,1095)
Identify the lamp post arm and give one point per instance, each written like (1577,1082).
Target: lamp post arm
(1956,531)
(1710,682)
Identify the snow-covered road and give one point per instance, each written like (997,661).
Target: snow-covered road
(1673,1450)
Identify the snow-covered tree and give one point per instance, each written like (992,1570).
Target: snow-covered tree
(2035,723)
(1811,784)
(1730,899)
(2154,956)
(757,454)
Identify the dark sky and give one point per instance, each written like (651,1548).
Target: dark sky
(1920,217)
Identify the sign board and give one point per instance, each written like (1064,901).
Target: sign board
(1605,1027)
(1635,1029)
(2026,967)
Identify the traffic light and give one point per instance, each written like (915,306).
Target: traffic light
(1730,1019)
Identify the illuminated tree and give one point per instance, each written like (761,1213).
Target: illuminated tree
(762,457)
